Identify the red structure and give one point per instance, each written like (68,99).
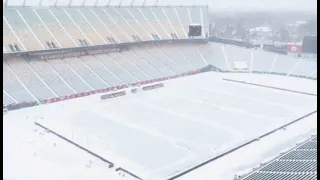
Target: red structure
(294,48)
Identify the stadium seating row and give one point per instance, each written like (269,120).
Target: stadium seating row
(64,27)
(28,80)
(298,163)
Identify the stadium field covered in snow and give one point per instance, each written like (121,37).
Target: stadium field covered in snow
(157,134)
(142,100)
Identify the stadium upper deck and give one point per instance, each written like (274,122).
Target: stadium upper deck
(41,28)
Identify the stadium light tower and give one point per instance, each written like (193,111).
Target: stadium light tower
(55,3)
(24,3)
(156,3)
(144,2)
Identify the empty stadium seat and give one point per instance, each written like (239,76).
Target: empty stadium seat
(69,75)
(143,65)
(129,66)
(59,31)
(214,55)
(175,22)
(27,37)
(175,54)
(30,79)
(14,87)
(304,68)
(153,21)
(263,61)
(117,69)
(88,31)
(51,78)
(164,59)
(102,71)
(39,28)
(284,65)
(86,73)
(153,62)
(193,55)
(298,163)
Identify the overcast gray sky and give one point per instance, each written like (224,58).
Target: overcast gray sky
(216,5)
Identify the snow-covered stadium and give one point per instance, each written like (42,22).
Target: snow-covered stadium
(123,92)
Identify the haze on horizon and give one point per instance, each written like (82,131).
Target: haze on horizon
(214,5)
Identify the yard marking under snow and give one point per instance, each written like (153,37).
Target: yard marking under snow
(270,87)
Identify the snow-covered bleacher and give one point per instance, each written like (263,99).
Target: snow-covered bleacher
(163,59)
(177,56)
(258,61)
(152,61)
(62,78)
(72,69)
(31,28)
(51,78)
(70,75)
(298,163)
(41,80)
(29,80)
(11,84)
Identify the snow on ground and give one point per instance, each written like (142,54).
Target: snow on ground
(154,134)
(244,160)
(288,82)
(31,153)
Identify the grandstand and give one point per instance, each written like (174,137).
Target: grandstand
(54,54)
(33,29)
(297,163)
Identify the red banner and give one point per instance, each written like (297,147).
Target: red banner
(293,48)
(116,88)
